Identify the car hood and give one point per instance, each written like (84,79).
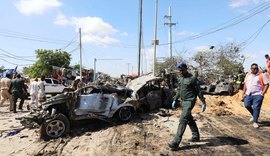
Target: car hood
(139,82)
(56,99)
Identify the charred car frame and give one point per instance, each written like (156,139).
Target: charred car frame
(97,102)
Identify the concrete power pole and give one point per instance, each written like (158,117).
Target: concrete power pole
(80,32)
(155,41)
(140,40)
(170,24)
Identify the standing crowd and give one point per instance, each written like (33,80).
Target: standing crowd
(14,89)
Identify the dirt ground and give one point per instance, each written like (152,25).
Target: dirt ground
(224,127)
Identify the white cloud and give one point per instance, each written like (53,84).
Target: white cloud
(61,20)
(98,40)
(94,29)
(124,34)
(230,39)
(186,33)
(38,7)
(241,3)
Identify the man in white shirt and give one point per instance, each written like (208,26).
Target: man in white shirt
(41,90)
(256,85)
(34,93)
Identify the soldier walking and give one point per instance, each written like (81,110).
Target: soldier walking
(187,92)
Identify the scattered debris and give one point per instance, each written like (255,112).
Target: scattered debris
(221,103)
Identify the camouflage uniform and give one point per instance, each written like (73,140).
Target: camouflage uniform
(187,92)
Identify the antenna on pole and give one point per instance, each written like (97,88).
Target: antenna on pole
(170,24)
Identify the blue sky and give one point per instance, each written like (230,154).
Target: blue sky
(110,30)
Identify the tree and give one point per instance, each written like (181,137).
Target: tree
(169,65)
(76,67)
(222,61)
(229,59)
(45,60)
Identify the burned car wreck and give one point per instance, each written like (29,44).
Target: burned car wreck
(219,87)
(96,102)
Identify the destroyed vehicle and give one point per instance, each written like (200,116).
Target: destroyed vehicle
(220,87)
(91,102)
(97,102)
(148,93)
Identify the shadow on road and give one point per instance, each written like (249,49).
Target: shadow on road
(81,127)
(265,124)
(217,141)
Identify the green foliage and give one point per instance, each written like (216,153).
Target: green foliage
(229,59)
(169,64)
(222,61)
(76,67)
(45,60)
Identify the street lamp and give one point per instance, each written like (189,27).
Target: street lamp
(95,62)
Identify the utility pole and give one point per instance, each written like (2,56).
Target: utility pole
(128,67)
(170,24)
(94,74)
(140,40)
(155,41)
(80,32)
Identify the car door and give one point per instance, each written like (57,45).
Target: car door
(51,86)
(48,85)
(96,103)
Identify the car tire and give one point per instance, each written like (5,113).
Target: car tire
(54,128)
(124,114)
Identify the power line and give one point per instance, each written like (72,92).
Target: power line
(71,42)
(10,55)
(14,63)
(243,17)
(247,42)
(14,34)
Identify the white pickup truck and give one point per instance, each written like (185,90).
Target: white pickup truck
(53,86)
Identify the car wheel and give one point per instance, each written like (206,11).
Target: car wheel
(55,127)
(125,114)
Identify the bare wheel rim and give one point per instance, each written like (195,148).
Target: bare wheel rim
(125,113)
(55,128)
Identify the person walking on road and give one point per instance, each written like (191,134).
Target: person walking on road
(5,95)
(41,90)
(256,85)
(17,91)
(187,92)
(34,93)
